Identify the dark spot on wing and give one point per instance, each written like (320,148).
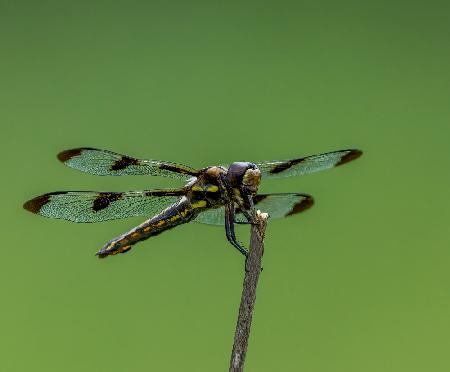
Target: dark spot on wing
(68,154)
(123,162)
(278,168)
(305,203)
(177,169)
(352,155)
(104,199)
(35,205)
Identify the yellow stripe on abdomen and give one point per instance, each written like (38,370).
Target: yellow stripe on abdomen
(199,204)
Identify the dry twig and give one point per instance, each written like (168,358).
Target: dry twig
(252,271)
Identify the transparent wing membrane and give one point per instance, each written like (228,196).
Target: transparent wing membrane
(108,163)
(91,206)
(277,205)
(309,164)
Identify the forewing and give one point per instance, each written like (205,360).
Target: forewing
(309,164)
(91,206)
(277,205)
(108,163)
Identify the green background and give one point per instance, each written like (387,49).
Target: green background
(358,283)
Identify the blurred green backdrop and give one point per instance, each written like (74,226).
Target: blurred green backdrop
(358,283)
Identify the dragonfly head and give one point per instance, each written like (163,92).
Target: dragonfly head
(245,176)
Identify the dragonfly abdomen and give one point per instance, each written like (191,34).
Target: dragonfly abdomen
(177,214)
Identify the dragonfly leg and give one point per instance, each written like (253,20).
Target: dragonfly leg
(248,213)
(229,229)
(248,216)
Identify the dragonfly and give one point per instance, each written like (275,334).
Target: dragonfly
(215,195)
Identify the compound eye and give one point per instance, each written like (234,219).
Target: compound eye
(236,173)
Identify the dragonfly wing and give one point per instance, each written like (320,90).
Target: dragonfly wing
(92,206)
(278,205)
(309,164)
(212,216)
(108,163)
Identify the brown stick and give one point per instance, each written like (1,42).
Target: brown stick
(252,271)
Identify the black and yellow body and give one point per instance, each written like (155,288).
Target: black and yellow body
(181,212)
(208,191)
